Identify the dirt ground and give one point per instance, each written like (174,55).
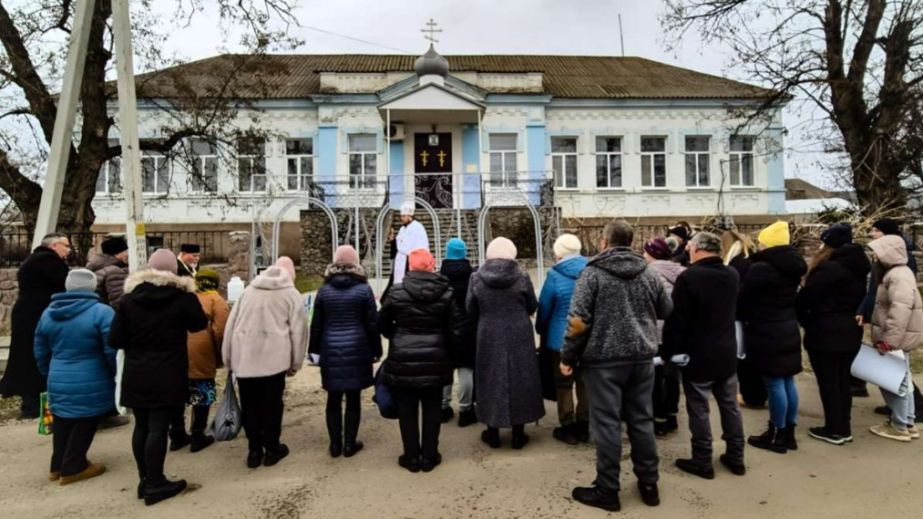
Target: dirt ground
(871,477)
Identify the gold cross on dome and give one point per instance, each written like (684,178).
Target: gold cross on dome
(432,30)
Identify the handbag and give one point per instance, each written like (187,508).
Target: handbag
(227,422)
(45,420)
(383,397)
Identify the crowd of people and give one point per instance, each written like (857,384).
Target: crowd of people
(623,334)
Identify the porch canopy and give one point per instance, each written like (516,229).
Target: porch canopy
(431,103)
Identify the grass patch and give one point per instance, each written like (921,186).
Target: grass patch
(308,283)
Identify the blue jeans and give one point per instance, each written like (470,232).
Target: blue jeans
(783,401)
(902,407)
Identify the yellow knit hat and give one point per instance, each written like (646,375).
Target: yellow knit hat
(775,235)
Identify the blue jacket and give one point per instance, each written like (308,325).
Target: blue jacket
(344,330)
(554,301)
(72,350)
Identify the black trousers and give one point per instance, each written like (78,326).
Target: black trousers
(199,419)
(261,410)
(834,383)
(666,392)
(71,441)
(335,416)
(409,405)
(752,387)
(29,406)
(178,422)
(149,442)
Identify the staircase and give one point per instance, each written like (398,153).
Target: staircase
(448,225)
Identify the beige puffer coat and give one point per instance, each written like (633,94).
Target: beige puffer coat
(898,316)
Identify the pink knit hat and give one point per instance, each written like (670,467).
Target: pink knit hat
(501,248)
(285,263)
(346,255)
(420,260)
(163,260)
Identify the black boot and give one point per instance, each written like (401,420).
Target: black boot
(351,424)
(178,440)
(466,418)
(336,448)
(274,456)
(773,440)
(491,436)
(158,493)
(695,468)
(447,414)
(649,493)
(200,440)
(566,433)
(789,438)
(595,496)
(520,438)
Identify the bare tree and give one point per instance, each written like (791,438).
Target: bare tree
(857,62)
(34,37)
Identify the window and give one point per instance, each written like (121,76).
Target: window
(109,180)
(251,163)
(502,153)
(654,161)
(741,160)
(299,154)
(697,161)
(564,161)
(609,162)
(363,155)
(155,174)
(204,175)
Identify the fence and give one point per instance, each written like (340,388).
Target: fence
(215,245)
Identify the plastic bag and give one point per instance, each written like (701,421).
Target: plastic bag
(227,423)
(383,398)
(45,420)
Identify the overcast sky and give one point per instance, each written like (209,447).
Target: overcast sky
(497,27)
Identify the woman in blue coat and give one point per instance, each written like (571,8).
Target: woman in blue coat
(551,324)
(72,350)
(344,333)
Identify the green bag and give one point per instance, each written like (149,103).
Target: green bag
(45,420)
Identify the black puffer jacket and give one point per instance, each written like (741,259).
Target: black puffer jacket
(459,273)
(766,305)
(420,318)
(344,329)
(827,304)
(151,323)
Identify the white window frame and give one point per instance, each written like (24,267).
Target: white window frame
(608,156)
(736,160)
(200,163)
(105,173)
(697,162)
(505,176)
(302,184)
(560,181)
(255,160)
(157,159)
(651,157)
(364,179)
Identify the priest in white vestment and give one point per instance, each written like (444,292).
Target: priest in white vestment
(412,236)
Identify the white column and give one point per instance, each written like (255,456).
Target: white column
(47,219)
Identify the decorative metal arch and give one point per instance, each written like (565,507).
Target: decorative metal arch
(380,235)
(277,222)
(536,220)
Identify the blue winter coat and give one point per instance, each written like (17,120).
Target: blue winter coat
(344,330)
(72,350)
(554,301)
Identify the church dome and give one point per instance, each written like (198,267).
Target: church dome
(431,64)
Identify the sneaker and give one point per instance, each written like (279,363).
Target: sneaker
(275,455)
(738,469)
(597,497)
(649,493)
(695,468)
(156,494)
(914,432)
(428,465)
(410,463)
(447,414)
(466,418)
(91,471)
(565,433)
(820,433)
(255,458)
(887,430)
(883,410)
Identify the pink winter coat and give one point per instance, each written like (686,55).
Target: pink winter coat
(668,271)
(266,332)
(898,315)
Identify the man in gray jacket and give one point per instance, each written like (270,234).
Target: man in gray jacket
(612,335)
(111,268)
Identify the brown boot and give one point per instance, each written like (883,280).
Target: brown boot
(91,471)
(54,475)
